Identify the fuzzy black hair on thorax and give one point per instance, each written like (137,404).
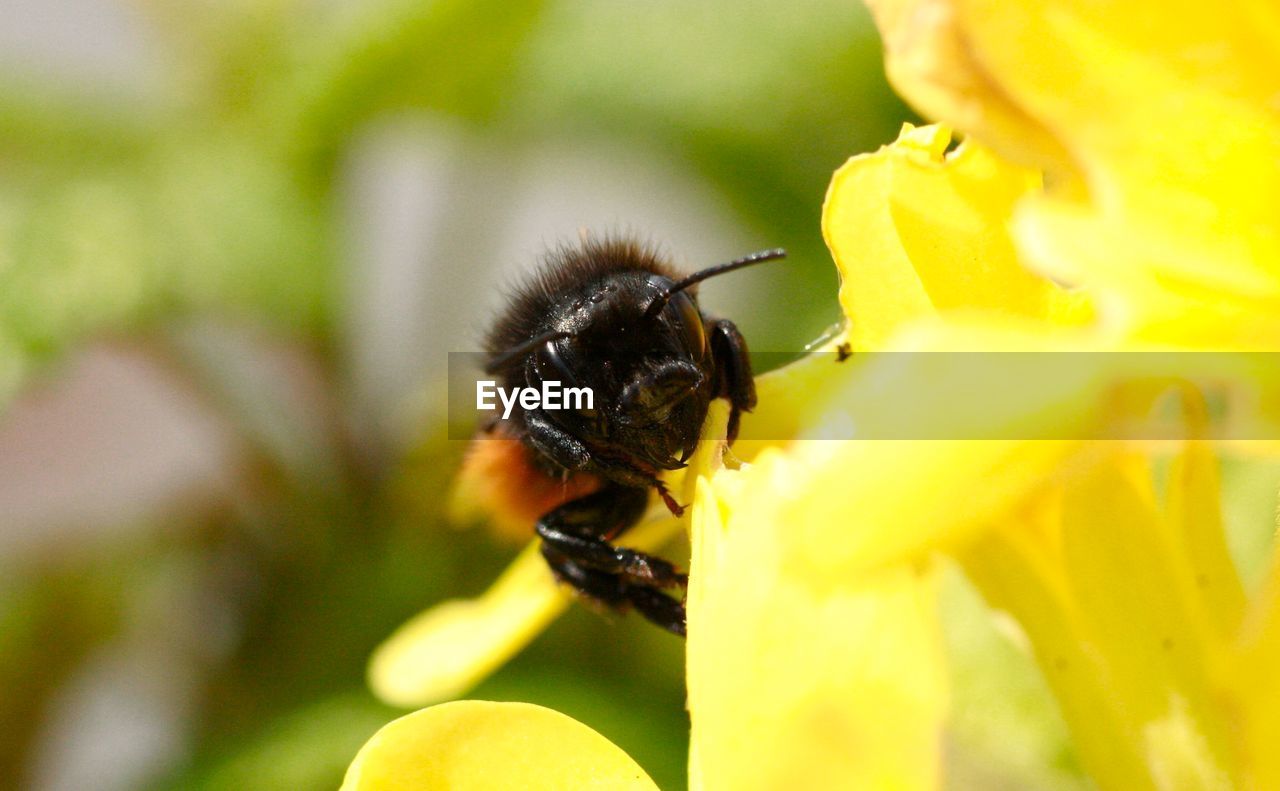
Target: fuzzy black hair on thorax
(566,270)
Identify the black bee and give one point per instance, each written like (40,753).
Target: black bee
(610,315)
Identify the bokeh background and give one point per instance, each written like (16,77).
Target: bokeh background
(238,240)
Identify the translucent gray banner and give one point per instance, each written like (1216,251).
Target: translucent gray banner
(966,396)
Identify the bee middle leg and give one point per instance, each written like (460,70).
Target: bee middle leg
(581,531)
(576,545)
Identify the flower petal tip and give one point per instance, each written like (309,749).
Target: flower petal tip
(483,745)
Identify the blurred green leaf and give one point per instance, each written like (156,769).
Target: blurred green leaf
(307,748)
(451,56)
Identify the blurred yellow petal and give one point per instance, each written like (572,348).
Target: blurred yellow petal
(1159,130)
(795,682)
(809,545)
(1019,575)
(447,650)
(853,507)
(1134,265)
(1194,511)
(1255,685)
(914,231)
(904,498)
(931,64)
(478,745)
(813,641)
(1135,599)
(1120,599)
(1169,111)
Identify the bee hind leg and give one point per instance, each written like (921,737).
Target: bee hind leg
(613,591)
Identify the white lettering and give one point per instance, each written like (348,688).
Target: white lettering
(550,392)
(551,396)
(485,390)
(574,397)
(508,403)
(530,398)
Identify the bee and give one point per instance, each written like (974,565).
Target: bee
(611,315)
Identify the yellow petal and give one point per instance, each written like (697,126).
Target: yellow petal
(1111,591)
(1158,126)
(1018,575)
(913,231)
(447,650)
(478,745)
(856,506)
(931,64)
(805,546)
(1170,111)
(1159,285)
(1135,599)
(1253,685)
(1194,512)
(793,685)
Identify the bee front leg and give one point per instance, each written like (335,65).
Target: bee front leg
(555,443)
(733,365)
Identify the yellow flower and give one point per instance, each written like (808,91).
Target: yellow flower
(814,651)
(478,745)
(1158,128)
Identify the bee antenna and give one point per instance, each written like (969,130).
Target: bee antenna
(513,354)
(711,271)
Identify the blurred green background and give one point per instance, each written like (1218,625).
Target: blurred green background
(237,240)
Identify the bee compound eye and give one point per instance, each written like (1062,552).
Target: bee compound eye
(552,364)
(692,332)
